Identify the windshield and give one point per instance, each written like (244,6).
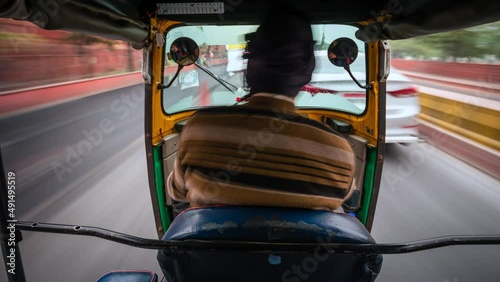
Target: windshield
(221,49)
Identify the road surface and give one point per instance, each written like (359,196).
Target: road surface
(83,163)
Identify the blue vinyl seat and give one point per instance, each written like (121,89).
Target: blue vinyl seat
(129,276)
(267,224)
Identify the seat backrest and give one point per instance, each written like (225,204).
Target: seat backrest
(267,224)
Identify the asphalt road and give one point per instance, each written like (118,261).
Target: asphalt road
(427,193)
(83,163)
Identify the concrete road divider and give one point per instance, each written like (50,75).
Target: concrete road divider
(475,118)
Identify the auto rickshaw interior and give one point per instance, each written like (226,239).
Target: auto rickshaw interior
(218,243)
(363,125)
(193,85)
(175,102)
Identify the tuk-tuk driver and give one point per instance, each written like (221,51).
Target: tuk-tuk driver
(263,153)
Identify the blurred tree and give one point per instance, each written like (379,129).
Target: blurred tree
(470,43)
(414,48)
(489,37)
(456,44)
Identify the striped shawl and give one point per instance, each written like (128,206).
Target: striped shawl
(262,153)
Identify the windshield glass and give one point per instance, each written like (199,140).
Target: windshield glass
(220,52)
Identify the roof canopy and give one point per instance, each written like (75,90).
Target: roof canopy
(128,19)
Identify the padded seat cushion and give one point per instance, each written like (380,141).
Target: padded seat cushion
(267,224)
(129,276)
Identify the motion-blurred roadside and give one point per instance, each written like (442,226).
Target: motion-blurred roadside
(30,56)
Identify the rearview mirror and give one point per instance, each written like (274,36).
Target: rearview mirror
(184,51)
(342,52)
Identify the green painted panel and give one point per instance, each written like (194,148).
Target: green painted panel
(371,162)
(165,214)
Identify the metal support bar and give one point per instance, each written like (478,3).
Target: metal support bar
(10,236)
(175,246)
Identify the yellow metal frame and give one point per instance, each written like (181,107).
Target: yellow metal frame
(365,125)
(161,123)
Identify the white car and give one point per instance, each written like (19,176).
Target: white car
(401,100)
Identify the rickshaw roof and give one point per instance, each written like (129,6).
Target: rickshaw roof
(128,19)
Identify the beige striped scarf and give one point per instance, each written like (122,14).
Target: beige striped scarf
(262,153)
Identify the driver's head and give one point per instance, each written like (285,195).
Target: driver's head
(281,53)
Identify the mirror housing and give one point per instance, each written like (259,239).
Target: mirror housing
(342,52)
(184,51)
